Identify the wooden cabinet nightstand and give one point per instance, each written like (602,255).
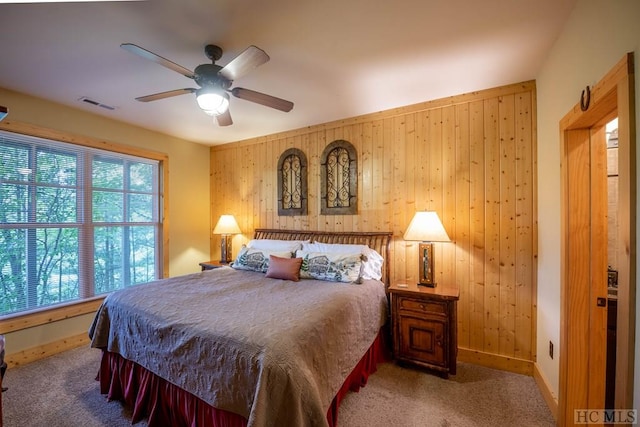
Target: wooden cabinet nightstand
(210,265)
(424,322)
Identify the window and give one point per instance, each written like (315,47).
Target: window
(76,222)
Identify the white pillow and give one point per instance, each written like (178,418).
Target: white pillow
(372,265)
(276,245)
(336,248)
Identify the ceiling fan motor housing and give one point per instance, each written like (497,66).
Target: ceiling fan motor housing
(207,75)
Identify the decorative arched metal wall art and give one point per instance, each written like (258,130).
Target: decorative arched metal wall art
(292,183)
(339,179)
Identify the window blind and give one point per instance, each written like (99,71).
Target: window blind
(75,222)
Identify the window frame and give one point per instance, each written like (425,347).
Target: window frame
(19,321)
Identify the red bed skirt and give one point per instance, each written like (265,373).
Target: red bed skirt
(164,404)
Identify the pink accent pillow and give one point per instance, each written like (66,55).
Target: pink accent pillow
(284,268)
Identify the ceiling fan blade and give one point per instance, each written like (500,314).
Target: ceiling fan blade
(262,99)
(163,95)
(144,53)
(224,119)
(249,59)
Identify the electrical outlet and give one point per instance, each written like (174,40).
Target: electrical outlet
(550,349)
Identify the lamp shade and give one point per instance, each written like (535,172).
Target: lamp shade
(426,227)
(227,225)
(212,101)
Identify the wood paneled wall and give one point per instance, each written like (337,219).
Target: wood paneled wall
(471,157)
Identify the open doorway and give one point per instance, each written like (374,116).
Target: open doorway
(586,263)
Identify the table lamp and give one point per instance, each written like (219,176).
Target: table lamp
(226,226)
(427,228)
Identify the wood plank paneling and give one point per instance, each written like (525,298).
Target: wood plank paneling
(470,158)
(403,167)
(491,296)
(525,228)
(507,224)
(476,227)
(445,257)
(462,215)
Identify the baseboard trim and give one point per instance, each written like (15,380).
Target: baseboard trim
(496,361)
(546,391)
(46,350)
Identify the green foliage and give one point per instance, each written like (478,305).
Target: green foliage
(50,251)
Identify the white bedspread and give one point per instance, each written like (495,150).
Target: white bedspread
(273,351)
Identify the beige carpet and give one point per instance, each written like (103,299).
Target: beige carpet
(60,391)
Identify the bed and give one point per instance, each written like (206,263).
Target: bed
(244,347)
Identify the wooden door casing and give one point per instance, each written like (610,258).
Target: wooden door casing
(584,246)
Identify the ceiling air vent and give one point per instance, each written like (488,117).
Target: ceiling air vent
(96,103)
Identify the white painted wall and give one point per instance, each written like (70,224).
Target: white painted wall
(596,36)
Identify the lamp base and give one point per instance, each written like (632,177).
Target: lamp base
(225,249)
(426,263)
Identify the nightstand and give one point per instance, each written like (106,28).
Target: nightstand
(210,265)
(424,324)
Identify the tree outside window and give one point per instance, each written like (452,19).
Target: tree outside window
(75,222)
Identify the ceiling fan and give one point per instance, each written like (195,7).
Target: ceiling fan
(215,81)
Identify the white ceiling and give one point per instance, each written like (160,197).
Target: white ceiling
(333,58)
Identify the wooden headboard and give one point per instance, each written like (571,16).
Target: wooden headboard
(378,241)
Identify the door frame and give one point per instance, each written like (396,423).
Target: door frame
(611,97)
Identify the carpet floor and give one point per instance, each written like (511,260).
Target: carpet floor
(60,391)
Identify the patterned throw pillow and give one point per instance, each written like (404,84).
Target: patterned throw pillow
(331,267)
(372,268)
(256,259)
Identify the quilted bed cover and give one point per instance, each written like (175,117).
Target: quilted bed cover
(274,351)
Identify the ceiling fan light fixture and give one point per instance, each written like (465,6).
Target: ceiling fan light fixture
(212,101)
